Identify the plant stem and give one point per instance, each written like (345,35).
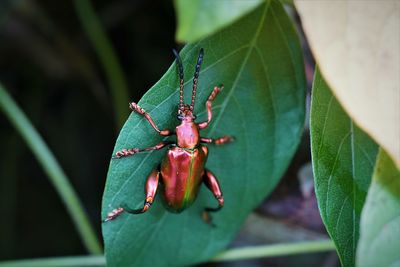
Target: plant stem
(71,261)
(52,169)
(107,56)
(229,255)
(274,250)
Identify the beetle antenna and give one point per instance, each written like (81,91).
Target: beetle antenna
(181,80)
(196,77)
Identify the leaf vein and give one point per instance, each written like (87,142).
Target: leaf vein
(353,170)
(331,174)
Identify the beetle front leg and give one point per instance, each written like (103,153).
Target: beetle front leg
(136,108)
(212,183)
(132,151)
(211,98)
(151,190)
(218,141)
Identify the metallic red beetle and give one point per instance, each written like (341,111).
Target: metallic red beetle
(182,169)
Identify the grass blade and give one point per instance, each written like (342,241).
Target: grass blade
(246,253)
(107,56)
(70,261)
(52,169)
(229,255)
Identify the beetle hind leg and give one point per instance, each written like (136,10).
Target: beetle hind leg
(146,206)
(151,190)
(213,185)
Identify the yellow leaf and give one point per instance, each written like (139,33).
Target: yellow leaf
(356,45)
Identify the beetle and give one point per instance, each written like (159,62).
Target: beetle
(182,169)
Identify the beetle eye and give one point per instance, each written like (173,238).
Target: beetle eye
(194,116)
(179,117)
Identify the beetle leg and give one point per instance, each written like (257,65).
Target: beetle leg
(218,141)
(136,108)
(132,151)
(212,183)
(151,190)
(211,98)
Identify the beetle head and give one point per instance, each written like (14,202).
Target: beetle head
(185,112)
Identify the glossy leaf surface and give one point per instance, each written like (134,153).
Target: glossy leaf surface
(200,18)
(379,243)
(343,159)
(259,61)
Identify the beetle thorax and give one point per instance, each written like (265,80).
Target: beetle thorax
(187,134)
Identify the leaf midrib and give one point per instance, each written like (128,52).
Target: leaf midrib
(250,47)
(354,189)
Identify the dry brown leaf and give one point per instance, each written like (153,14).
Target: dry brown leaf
(356,44)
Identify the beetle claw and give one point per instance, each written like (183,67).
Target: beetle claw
(113,214)
(207,218)
(125,153)
(136,108)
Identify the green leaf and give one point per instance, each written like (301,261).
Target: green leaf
(379,243)
(200,18)
(259,61)
(343,157)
